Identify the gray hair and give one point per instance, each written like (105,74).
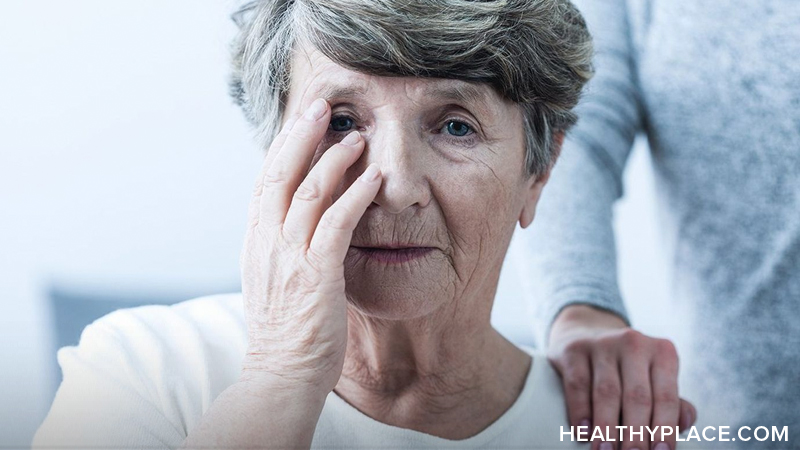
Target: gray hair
(536,53)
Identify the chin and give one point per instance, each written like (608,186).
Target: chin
(398,291)
(389,305)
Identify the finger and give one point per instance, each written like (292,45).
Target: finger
(335,230)
(688,415)
(314,194)
(277,143)
(606,396)
(666,408)
(576,375)
(637,400)
(291,162)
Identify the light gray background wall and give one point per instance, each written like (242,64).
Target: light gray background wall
(124,167)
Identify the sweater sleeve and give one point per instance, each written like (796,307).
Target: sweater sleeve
(137,379)
(570,245)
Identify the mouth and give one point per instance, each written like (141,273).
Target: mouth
(394,255)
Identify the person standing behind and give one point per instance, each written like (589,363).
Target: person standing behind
(715,86)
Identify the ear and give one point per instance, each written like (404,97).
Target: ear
(535,185)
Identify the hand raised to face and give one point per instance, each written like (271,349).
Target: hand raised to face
(292,261)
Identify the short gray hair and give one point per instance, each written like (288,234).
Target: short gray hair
(536,53)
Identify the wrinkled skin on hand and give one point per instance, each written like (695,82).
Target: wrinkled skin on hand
(292,261)
(614,375)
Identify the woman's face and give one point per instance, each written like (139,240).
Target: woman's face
(454,185)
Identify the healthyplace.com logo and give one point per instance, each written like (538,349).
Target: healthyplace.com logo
(660,434)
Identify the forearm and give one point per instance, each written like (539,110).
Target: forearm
(572,244)
(259,414)
(573,253)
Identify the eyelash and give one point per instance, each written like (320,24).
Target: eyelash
(466,140)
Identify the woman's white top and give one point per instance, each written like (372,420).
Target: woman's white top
(142,378)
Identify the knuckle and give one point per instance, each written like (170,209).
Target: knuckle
(667,398)
(578,382)
(308,191)
(666,349)
(335,219)
(275,176)
(632,339)
(578,346)
(607,390)
(639,395)
(605,350)
(258,188)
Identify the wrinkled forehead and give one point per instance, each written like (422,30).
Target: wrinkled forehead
(314,75)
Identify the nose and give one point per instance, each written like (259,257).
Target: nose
(400,153)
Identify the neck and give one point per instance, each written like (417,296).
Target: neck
(440,374)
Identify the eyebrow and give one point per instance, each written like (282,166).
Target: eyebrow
(464,93)
(329,91)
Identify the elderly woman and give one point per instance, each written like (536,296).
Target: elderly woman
(405,141)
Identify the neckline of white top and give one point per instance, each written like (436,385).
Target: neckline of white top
(341,406)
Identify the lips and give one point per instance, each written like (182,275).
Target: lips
(394,254)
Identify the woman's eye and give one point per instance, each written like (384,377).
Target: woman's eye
(341,124)
(457,128)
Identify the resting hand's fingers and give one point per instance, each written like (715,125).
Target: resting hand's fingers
(258,189)
(335,230)
(688,415)
(575,368)
(606,395)
(315,192)
(291,162)
(666,408)
(637,394)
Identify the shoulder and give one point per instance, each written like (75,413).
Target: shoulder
(191,338)
(164,328)
(199,312)
(143,376)
(546,379)
(199,340)
(548,411)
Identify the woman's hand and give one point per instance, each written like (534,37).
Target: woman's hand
(292,261)
(614,375)
(293,287)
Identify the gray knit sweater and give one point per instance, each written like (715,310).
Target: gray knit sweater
(715,85)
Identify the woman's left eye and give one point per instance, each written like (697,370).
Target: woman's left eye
(457,128)
(341,124)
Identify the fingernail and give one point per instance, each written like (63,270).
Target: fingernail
(371,174)
(662,446)
(585,423)
(351,138)
(316,110)
(606,446)
(635,448)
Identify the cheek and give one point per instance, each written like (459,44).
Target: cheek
(479,204)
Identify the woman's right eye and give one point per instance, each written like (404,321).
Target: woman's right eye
(341,124)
